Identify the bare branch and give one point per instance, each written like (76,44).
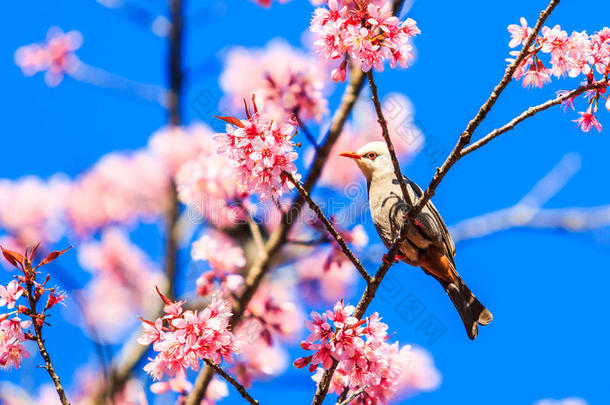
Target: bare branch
(465,137)
(240,388)
(530,112)
(37,323)
(386,136)
(331,229)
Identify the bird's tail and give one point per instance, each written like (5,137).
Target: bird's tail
(472,312)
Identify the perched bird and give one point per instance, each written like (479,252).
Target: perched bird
(428,244)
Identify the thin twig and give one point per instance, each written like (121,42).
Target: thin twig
(277,239)
(330,228)
(530,112)
(38,322)
(306,131)
(240,388)
(465,137)
(353,396)
(386,136)
(311,242)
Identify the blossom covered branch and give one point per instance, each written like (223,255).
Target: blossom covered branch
(15,331)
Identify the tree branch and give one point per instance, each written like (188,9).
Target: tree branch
(240,388)
(275,242)
(331,229)
(530,112)
(38,322)
(386,136)
(465,137)
(371,288)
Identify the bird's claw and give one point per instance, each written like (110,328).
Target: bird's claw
(386,259)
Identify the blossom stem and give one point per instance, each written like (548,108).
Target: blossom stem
(306,131)
(240,388)
(37,321)
(331,229)
(353,396)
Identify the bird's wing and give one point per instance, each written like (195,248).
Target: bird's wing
(437,224)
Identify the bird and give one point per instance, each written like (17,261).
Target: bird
(428,243)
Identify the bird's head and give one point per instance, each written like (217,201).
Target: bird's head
(373,159)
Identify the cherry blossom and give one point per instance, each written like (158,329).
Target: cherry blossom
(587,121)
(364,357)
(12,336)
(571,55)
(55,56)
(189,337)
(10,294)
(205,179)
(14,331)
(285,80)
(366,31)
(261,151)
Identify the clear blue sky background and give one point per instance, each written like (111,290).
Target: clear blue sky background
(547,290)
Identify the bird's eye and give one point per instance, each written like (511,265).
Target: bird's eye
(371,155)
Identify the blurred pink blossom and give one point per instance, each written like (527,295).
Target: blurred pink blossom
(55,56)
(225,259)
(119,189)
(285,80)
(31,209)
(206,181)
(122,285)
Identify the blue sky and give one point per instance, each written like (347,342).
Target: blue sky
(546,289)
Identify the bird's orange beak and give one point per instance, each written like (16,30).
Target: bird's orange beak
(351,155)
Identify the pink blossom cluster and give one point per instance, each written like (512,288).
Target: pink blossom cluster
(360,347)
(123,277)
(31,209)
(366,31)
(285,80)
(122,188)
(12,331)
(261,151)
(183,338)
(205,179)
(225,259)
(571,55)
(55,56)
